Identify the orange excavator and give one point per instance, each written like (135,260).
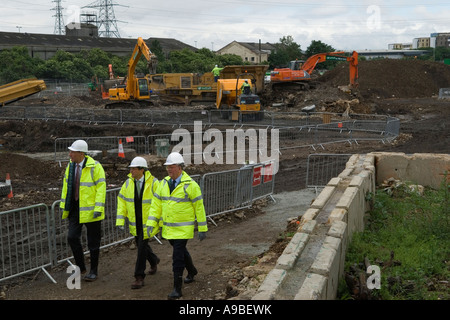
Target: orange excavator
(298,75)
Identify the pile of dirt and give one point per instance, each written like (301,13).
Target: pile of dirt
(389,78)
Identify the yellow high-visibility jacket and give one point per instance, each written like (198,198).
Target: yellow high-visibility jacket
(92,193)
(176,212)
(125,202)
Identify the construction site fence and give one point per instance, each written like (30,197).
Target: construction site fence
(35,237)
(322,167)
(316,136)
(386,127)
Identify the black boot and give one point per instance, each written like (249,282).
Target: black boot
(192,271)
(177,283)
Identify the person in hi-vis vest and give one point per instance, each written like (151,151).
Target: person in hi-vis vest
(133,203)
(176,205)
(83,200)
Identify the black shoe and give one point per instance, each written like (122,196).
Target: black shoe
(90,277)
(190,277)
(154,268)
(177,283)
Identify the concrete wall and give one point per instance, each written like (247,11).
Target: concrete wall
(338,212)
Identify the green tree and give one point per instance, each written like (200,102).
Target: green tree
(286,50)
(16,63)
(318,46)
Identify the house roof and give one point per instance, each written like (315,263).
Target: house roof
(253,46)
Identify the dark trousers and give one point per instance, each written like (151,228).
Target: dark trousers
(144,254)
(93,239)
(180,255)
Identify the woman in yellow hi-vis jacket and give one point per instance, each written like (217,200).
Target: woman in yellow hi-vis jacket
(176,205)
(133,203)
(83,202)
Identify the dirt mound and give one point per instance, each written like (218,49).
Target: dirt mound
(388,78)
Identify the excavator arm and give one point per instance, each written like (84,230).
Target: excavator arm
(140,49)
(312,61)
(299,78)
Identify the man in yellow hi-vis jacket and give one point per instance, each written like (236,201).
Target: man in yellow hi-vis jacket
(177,203)
(133,203)
(83,199)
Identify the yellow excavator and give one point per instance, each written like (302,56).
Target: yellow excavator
(20,89)
(134,91)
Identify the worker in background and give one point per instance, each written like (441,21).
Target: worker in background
(133,202)
(177,203)
(216,72)
(83,202)
(245,88)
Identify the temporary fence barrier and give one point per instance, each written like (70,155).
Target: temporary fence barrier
(320,168)
(176,118)
(111,235)
(25,239)
(102,146)
(35,237)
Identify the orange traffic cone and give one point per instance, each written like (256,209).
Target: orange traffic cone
(121,152)
(8,183)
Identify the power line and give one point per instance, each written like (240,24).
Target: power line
(106,23)
(59,21)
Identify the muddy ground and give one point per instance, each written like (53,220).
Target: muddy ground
(224,273)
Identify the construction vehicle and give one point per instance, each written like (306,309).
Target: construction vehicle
(20,89)
(298,75)
(187,88)
(183,88)
(134,90)
(232,99)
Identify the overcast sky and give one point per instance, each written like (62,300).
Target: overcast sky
(345,25)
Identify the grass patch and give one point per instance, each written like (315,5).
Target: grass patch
(408,236)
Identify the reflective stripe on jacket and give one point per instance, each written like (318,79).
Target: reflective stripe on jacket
(92,193)
(126,206)
(177,211)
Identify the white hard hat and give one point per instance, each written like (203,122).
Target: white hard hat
(79,145)
(216,65)
(138,162)
(174,158)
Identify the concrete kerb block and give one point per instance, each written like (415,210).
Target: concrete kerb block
(292,251)
(352,161)
(346,200)
(314,287)
(308,227)
(309,215)
(346,173)
(337,214)
(357,181)
(270,286)
(327,264)
(334,182)
(324,260)
(338,229)
(323,197)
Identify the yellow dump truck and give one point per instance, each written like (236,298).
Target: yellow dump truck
(19,89)
(238,96)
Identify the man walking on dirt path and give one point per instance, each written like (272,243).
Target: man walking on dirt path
(83,200)
(133,202)
(177,203)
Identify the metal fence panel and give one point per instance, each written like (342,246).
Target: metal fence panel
(226,191)
(25,240)
(321,168)
(110,233)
